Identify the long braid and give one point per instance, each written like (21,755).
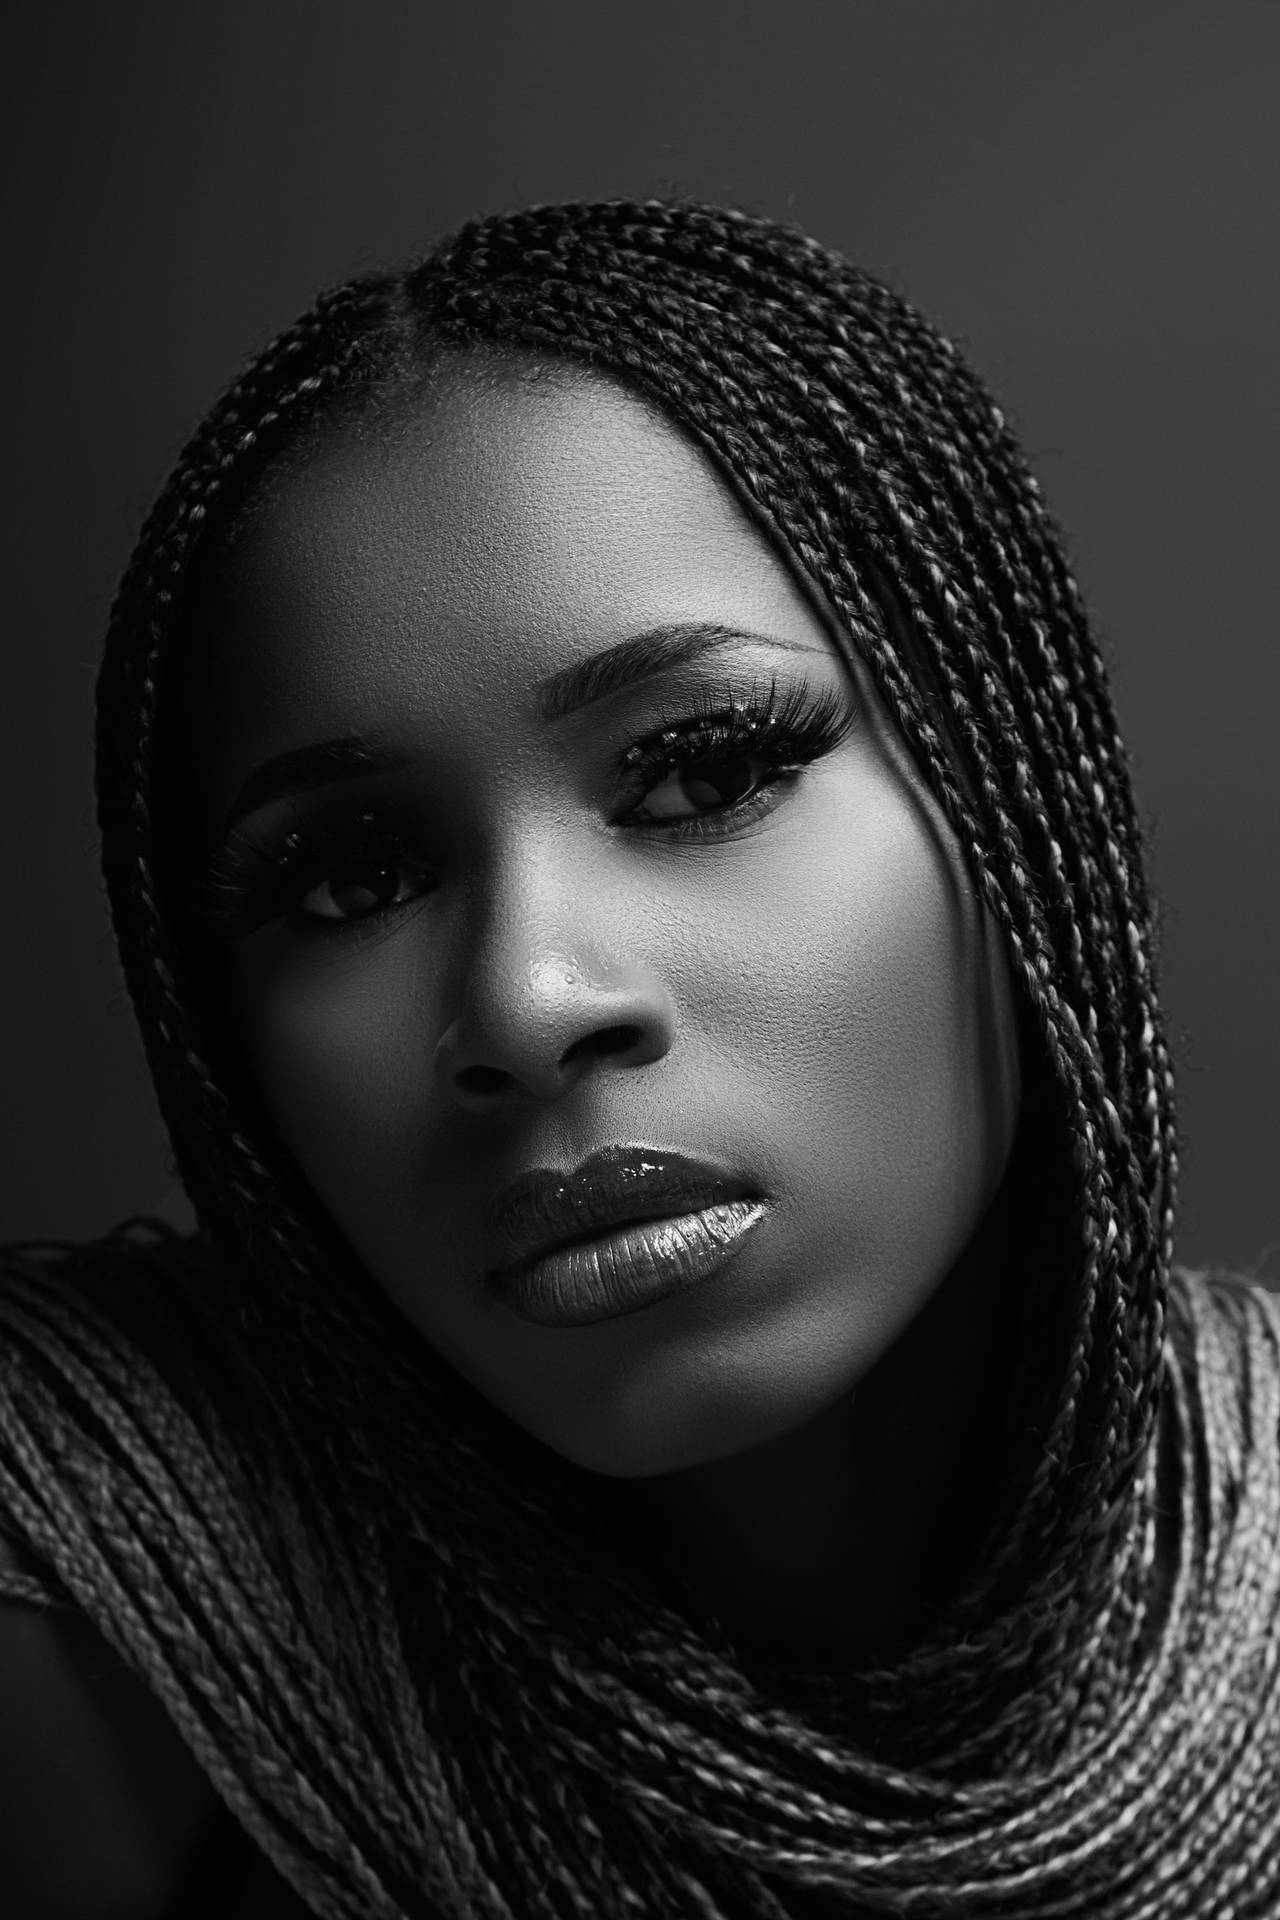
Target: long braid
(657,365)
(430,1677)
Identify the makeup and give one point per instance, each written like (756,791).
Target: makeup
(730,759)
(630,1267)
(627,1227)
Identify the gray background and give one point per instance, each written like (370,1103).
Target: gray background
(1081,192)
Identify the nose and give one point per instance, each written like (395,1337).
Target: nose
(539,1013)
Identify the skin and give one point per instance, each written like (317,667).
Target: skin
(816,999)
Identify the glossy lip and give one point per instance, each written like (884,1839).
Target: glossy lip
(547,1209)
(629,1268)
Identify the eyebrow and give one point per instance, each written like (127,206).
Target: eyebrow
(640,657)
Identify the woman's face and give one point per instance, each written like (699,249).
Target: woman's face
(792,980)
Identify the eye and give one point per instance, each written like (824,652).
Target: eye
(363,887)
(718,779)
(730,762)
(328,878)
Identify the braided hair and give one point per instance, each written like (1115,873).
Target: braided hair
(588,1745)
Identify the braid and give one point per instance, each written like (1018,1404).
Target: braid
(491,1666)
(746,396)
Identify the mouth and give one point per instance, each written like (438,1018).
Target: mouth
(604,1230)
(629,1268)
(547,1210)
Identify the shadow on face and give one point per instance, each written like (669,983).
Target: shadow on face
(496,924)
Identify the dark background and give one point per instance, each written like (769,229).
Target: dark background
(1081,192)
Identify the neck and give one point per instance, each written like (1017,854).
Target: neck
(859,1525)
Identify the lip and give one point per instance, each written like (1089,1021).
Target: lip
(548,1209)
(627,1268)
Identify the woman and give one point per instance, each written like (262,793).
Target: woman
(680,1402)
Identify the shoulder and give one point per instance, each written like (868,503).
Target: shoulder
(1222,1354)
(96,1335)
(1226,1318)
(126,1394)
(142,1271)
(103,1805)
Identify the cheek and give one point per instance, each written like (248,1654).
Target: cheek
(882,1040)
(342,1047)
(846,1026)
(846,1015)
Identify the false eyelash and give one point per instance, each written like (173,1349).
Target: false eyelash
(246,882)
(787,731)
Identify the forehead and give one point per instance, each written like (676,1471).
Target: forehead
(502,524)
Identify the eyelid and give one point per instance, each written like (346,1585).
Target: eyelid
(809,722)
(247,878)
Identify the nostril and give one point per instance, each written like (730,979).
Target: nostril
(481,1079)
(608,1040)
(480,1082)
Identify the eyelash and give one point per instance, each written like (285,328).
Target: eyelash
(248,883)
